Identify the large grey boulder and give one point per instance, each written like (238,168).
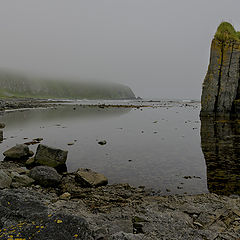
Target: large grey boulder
(19,180)
(17,152)
(88,178)
(51,157)
(5,180)
(45,176)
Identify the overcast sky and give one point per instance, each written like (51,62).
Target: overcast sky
(160,48)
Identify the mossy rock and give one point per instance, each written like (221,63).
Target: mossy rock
(226,32)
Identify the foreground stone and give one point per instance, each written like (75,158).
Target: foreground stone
(45,176)
(19,180)
(19,151)
(89,178)
(5,180)
(25,215)
(51,157)
(111,212)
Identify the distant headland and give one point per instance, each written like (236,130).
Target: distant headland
(19,85)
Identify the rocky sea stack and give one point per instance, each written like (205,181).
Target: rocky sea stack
(221,87)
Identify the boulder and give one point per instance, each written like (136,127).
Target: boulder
(45,176)
(89,178)
(20,180)
(51,157)
(5,180)
(17,152)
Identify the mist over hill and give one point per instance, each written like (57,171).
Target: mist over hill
(14,84)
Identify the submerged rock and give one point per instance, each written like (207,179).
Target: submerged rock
(103,142)
(17,152)
(45,176)
(221,87)
(89,178)
(51,157)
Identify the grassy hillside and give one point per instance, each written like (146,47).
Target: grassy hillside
(17,85)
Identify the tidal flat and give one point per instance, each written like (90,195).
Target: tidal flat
(155,144)
(171,174)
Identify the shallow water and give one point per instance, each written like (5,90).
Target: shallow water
(158,147)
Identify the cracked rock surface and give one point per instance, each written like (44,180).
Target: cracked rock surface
(221,84)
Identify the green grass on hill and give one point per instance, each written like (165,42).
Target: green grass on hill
(17,85)
(226,32)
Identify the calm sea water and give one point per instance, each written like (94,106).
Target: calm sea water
(157,146)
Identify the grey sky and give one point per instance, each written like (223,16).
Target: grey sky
(160,48)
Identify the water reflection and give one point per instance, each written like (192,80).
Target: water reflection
(63,112)
(220,139)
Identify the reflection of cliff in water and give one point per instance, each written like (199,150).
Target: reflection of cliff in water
(64,112)
(220,139)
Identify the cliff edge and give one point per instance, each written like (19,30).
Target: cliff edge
(221,90)
(19,85)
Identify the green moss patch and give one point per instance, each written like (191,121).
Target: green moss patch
(226,32)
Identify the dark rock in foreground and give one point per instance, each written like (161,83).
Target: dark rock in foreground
(45,176)
(112,212)
(20,180)
(117,212)
(5,180)
(19,151)
(51,157)
(25,215)
(89,178)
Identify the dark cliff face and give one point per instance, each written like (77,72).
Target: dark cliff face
(221,84)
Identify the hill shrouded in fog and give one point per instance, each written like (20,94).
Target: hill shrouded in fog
(20,85)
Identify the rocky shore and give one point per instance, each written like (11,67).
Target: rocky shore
(41,203)
(40,200)
(18,103)
(68,211)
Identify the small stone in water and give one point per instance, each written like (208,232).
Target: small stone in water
(103,142)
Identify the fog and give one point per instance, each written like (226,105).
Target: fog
(160,48)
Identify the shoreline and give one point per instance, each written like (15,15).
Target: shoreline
(116,211)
